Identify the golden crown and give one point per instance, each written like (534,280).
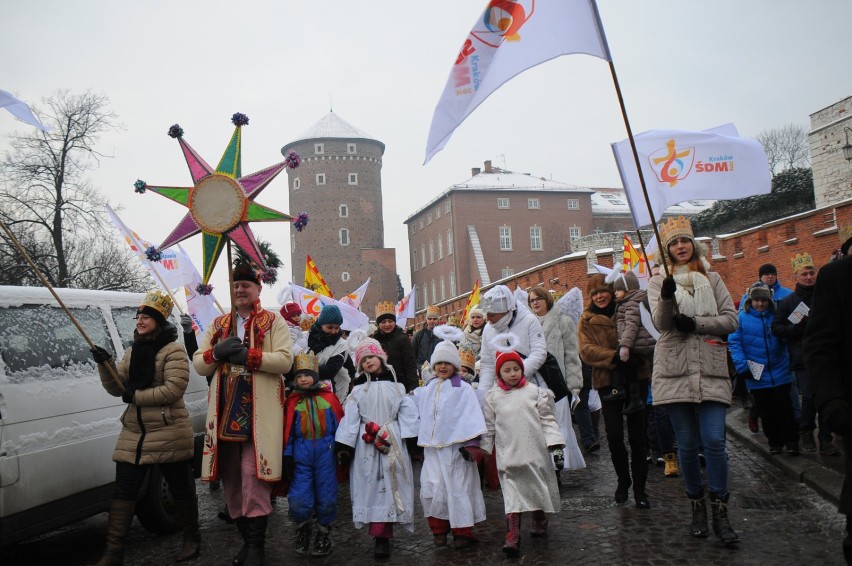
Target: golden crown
(306,361)
(800,261)
(306,321)
(385,307)
(160,302)
(432,310)
(677,227)
(468,357)
(845,232)
(454,321)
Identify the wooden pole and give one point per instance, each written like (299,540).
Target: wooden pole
(14,241)
(662,252)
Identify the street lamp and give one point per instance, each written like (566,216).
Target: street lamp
(847,149)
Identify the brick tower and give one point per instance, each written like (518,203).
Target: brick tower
(339,185)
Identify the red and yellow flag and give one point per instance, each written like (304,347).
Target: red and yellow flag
(633,259)
(472,301)
(314,280)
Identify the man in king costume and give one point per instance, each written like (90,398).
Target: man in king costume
(245,413)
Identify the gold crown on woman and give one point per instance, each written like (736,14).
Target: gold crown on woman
(160,302)
(845,232)
(801,261)
(306,361)
(678,227)
(385,307)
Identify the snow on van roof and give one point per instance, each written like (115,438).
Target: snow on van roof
(12,296)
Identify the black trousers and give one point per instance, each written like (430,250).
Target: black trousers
(776,410)
(129,478)
(614,422)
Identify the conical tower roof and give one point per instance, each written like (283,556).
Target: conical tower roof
(332,126)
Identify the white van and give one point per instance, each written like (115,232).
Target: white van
(58,426)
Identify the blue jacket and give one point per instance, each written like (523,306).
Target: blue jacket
(753,340)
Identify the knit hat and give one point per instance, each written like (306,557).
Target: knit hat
(767,269)
(626,281)
(369,347)
(290,310)
(503,357)
(307,363)
(498,300)
(597,284)
(330,314)
(446,351)
(384,311)
(673,228)
(245,273)
(157,305)
(475,310)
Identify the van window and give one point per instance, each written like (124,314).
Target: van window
(33,336)
(125,322)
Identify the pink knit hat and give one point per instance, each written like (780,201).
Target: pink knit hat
(369,347)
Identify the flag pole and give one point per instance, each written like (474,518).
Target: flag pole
(14,241)
(233,326)
(639,171)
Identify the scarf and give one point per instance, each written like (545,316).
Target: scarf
(609,310)
(143,355)
(694,294)
(319,340)
(506,387)
(806,293)
(504,323)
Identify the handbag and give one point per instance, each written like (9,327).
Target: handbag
(552,376)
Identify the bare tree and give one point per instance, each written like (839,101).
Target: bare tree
(48,201)
(786,147)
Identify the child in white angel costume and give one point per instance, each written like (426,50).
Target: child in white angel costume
(378,416)
(451,423)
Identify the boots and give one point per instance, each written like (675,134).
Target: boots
(303,537)
(617,393)
(635,402)
(539,524)
(622,490)
(721,525)
(240,557)
(671,465)
(120,518)
(188,511)
(255,539)
(698,528)
(322,544)
(381,547)
(512,545)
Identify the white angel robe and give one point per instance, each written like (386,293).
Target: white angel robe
(521,425)
(381,485)
(450,417)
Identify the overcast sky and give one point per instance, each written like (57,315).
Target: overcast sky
(382,64)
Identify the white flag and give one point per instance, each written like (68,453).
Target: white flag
(354,298)
(201,308)
(312,302)
(680,165)
(20,110)
(405,308)
(510,37)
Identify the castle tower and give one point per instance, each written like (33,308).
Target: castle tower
(339,185)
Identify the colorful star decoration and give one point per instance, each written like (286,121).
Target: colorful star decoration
(221,201)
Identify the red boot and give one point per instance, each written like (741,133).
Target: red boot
(539,524)
(512,546)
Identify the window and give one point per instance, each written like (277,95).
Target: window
(431,252)
(297,184)
(440,247)
(505,238)
(422,255)
(598,231)
(344,276)
(447,207)
(452,283)
(414,260)
(320,178)
(344,211)
(506,272)
(613,199)
(319,148)
(449,242)
(429,218)
(437,212)
(574,232)
(573,204)
(353,178)
(502,203)
(421,223)
(434,295)
(344,237)
(351,148)
(533,203)
(425,295)
(443,289)
(535,238)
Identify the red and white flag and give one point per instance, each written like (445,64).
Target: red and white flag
(510,37)
(681,165)
(354,298)
(405,308)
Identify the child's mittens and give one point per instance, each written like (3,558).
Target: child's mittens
(624,353)
(288,468)
(371,429)
(343,453)
(473,453)
(558,456)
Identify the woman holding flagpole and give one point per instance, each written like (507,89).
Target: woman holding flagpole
(694,313)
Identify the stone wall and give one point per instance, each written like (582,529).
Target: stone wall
(830,129)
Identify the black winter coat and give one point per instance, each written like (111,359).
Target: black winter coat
(424,345)
(793,333)
(400,356)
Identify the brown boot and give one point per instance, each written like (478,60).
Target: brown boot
(512,545)
(120,518)
(671,465)
(188,511)
(539,524)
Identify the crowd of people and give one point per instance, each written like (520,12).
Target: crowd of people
(297,405)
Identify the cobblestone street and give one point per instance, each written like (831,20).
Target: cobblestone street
(780,521)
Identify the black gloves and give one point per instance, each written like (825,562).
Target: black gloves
(745,375)
(227,347)
(241,357)
(100,355)
(186,323)
(558,456)
(667,291)
(289,468)
(684,323)
(128,394)
(838,416)
(343,452)
(473,453)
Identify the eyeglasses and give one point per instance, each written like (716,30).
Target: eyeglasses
(535,299)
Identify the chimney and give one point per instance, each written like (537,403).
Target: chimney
(488,166)
(474,171)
